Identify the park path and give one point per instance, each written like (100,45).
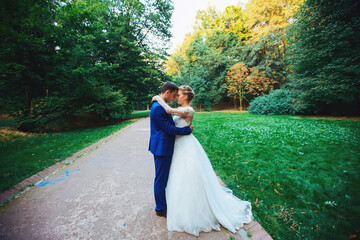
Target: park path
(105,194)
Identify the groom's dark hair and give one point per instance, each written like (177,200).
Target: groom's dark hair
(169,86)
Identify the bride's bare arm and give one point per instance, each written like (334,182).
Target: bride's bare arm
(170,110)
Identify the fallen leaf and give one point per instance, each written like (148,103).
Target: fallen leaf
(278,192)
(293,226)
(303,212)
(316,211)
(352,236)
(341,217)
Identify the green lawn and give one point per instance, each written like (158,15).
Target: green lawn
(22,156)
(138,114)
(300,174)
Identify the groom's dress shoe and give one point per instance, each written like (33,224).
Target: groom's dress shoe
(161,213)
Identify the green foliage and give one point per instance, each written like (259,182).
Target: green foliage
(207,54)
(277,102)
(317,50)
(324,57)
(205,66)
(58,58)
(254,36)
(267,55)
(24,157)
(138,114)
(300,174)
(269,16)
(26,49)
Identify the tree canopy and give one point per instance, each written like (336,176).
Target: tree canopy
(254,36)
(324,57)
(310,48)
(63,57)
(59,58)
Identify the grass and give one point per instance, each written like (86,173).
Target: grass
(300,174)
(25,154)
(138,114)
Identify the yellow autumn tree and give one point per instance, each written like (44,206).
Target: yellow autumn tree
(242,81)
(236,81)
(174,62)
(266,16)
(258,83)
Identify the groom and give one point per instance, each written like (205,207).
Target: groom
(162,139)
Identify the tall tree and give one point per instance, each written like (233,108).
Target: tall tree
(27,45)
(243,82)
(266,16)
(62,57)
(236,81)
(324,57)
(255,36)
(267,55)
(267,21)
(203,59)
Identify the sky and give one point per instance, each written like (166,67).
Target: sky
(183,17)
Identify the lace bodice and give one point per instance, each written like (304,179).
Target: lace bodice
(181,122)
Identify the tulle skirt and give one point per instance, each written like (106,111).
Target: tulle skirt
(195,200)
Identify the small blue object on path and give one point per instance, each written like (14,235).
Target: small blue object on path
(63,176)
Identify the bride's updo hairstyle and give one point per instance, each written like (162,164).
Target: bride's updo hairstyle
(186,90)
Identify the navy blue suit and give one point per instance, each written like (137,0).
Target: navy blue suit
(162,139)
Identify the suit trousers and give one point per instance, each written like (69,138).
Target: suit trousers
(162,168)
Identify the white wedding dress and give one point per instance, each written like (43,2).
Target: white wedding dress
(195,200)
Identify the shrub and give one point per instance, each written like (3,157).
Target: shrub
(278,102)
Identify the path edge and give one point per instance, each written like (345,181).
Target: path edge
(33,181)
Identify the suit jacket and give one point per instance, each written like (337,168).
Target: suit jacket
(163,131)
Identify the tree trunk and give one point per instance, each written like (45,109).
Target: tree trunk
(28,98)
(240,99)
(178,71)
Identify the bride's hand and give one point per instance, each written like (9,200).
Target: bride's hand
(192,127)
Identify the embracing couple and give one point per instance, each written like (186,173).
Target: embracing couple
(187,191)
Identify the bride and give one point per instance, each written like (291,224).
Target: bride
(195,200)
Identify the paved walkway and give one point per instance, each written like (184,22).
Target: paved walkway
(105,194)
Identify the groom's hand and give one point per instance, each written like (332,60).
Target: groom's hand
(192,127)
